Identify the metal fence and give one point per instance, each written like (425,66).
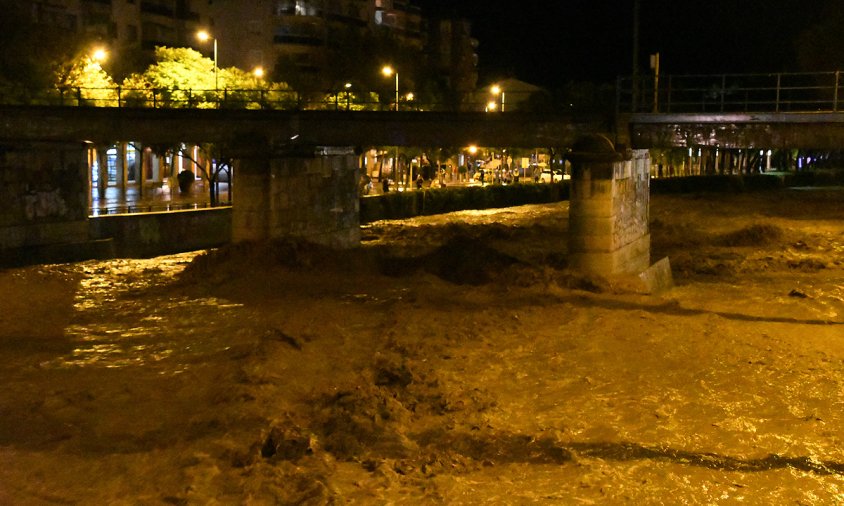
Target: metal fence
(149,207)
(782,92)
(266,98)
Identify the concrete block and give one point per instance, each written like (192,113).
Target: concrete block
(658,278)
(654,280)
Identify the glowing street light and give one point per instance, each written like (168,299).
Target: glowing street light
(497,90)
(258,72)
(388,71)
(99,55)
(204,36)
(348,87)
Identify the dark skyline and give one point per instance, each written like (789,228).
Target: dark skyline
(592,40)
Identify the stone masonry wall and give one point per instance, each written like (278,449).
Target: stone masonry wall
(43,194)
(305,197)
(609,212)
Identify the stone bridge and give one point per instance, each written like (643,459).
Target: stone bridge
(288,129)
(297,170)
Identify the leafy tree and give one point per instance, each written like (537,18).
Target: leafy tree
(357,57)
(85,82)
(180,77)
(350,101)
(183,77)
(246,90)
(32,52)
(211,164)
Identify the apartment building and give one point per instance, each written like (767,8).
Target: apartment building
(261,33)
(123,24)
(304,33)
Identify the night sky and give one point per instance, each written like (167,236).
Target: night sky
(553,42)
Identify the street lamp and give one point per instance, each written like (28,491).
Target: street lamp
(348,87)
(496,90)
(99,55)
(388,71)
(203,36)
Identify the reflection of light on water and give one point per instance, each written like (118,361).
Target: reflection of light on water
(115,329)
(826,300)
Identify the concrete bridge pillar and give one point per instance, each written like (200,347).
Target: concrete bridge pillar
(609,233)
(308,194)
(44,203)
(102,169)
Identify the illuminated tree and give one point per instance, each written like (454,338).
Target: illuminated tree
(245,90)
(183,77)
(180,77)
(84,81)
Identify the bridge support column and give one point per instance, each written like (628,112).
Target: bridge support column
(308,195)
(102,169)
(609,233)
(44,204)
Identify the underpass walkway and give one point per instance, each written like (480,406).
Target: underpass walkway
(156,198)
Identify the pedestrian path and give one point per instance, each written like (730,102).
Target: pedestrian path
(154,199)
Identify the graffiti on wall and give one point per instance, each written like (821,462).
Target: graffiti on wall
(39,205)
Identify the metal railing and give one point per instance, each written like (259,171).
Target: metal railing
(150,207)
(781,92)
(263,98)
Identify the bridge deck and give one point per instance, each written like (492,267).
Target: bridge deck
(281,128)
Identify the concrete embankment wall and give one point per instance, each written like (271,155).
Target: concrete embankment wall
(148,235)
(753,182)
(395,205)
(400,205)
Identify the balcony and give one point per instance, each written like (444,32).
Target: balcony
(157,9)
(301,40)
(346,20)
(188,16)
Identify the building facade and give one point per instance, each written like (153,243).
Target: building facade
(307,34)
(124,24)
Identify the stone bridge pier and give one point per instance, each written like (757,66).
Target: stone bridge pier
(44,203)
(609,209)
(305,193)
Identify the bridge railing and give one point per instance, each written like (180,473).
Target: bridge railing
(265,98)
(780,92)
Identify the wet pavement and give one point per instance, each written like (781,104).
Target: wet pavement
(161,197)
(153,199)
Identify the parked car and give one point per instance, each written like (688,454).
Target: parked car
(546,177)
